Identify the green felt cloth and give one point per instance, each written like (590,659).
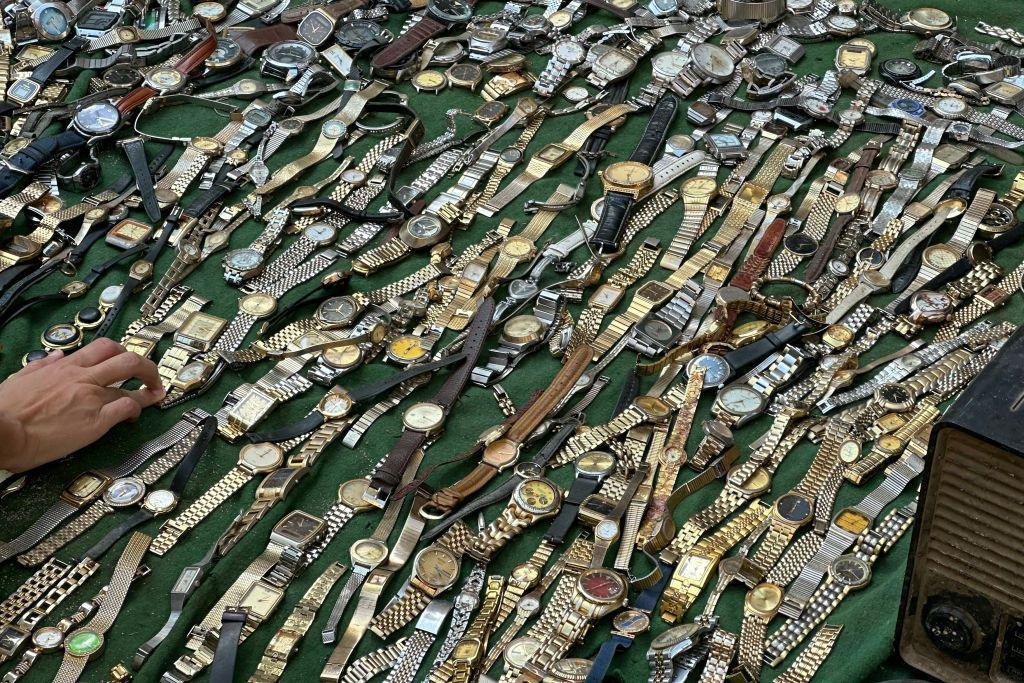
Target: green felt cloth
(869,617)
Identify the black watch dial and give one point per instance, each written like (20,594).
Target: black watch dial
(451,11)
(899,70)
(98,21)
(122,76)
(358,34)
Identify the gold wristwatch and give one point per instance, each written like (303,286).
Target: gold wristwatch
(697,193)
(759,607)
(469,650)
(534,499)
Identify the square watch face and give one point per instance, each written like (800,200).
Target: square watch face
(261,600)
(553,154)
(298,527)
(23,90)
(85,486)
(128,233)
(201,328)
(252,407)
(1005,93)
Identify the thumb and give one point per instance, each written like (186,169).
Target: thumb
(118,411)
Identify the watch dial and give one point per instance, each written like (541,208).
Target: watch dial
(717,370)
(601,585)
(257,304)
(899,67)
(369,552)
(928,301)
(851,571)
(740,400)
(575,668)
(424,227)
(423,417)
(629,173)
(47,637)
(125,491)
(852,521)
(526,573)
(84,643)
(523,328)
(668,64)
(569,51)
(261,600)
(315,28)
(521,650)
(192,372)
(358,33)
(801,244)
(291,53)
(699,187)
(299,527)
(52,22)
(243,259)
(98,118)
(320,233)
(437,566)
(62,334)
(794,508)
(337,310)
(161,501)
(616,63)
(713,60)
(606,530)
(335,405)
(895,395)
(214,11)
(538,496)
(407,348)
(764,598)
(674,635)
(227,52)
(165,79)
(451,10)
(940,256)
(595,463)
(262,456)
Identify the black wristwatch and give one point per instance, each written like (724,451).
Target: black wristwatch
(626,181)
(24,90)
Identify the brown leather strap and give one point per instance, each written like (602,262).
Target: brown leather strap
(858,176)
(407,43)
(758,260)
(562,384)
(389,475)
(195,57)
(253,41)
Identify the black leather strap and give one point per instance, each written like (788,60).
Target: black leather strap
(629,390)
(316,418)
(566,517)
(657,128)
(593,148)
(135,150)
(223,668)
(614,213)
(42,73)
(753,353)
(34,155)
(964,185)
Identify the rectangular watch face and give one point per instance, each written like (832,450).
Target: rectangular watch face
(128,233)
(201,329)
(695,568)
(1005,93)
(23,90)
(85,487)
(554,154)
(606,296)
(655,291)
(298,528)
(252,407)
(261,600)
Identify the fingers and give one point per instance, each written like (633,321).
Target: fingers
(95,352)
(125,366)
(118,411)
(50,359)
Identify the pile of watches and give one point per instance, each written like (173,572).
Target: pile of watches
(817,220)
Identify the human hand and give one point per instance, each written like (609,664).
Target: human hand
(58,404)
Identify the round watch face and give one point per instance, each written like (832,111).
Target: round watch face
(48,638)
(842,24)
(320,233)
(52,22)
(517,247)
(291,53)
(465,75)
(424,227)
(801,244)
(257,304)
(406,349)
(674,636)
(794,508)
(124,491)
(606,530)
(350,493)
(423,417)
(930,19)
(575,668)
(452,11)
(848,203)
(538,496)
(84,643)
(900,68)
(214,11)
(852,521)
(243,259)
(526,573)
(895,397)
(226,53)
(338,310)
(629,174)
(576,94)
(437,566)
(358,33)
(165,79)
(160,501)
(521,650)
(716,369)
(667,65)
(262,457)
(927,301)
(595,463)
(889,443)
(699,188)
(98,118)
(741,400)
(191,373)
(122,76)
(368,552)
(940,256)
(713,60)
(849,570)
(335,405)
(62,336)
(523,329)
(569,51)
(343,357)
(758,482)
(849,452)
(601,585)
(764,599)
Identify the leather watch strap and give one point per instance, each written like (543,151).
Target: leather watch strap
(657,128)
(408,42)
(389,475)
(231,623)
(135,150)
(753,267)
(253,41)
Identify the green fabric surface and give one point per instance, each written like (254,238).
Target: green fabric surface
(869,616)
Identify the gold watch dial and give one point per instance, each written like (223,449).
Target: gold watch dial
(848,203)
(368,552)
(343,356)
(257,304)
(849,452)
(350,493)
(852,521)
(523,329)
(407,348)
(437,567)
(764,598)
(629,174)
(261,457)
(538,496)
(699,188)
(520,651)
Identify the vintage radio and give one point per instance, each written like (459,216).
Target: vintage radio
(962,613)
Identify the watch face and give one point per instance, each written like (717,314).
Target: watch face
(716,369)
(160,501)
(84,643)
(315,28)
(871,259)
(338,310)
(257,304)
(595,463)
(950,106)
(658,330)
(165,79)
(526,573)
(453,11)
(554,154)
(214,11)
(407,348)
(667,65)
(335,405)
(423,417)
(740,400)
(368,552)
(98,118)
(466,650)
(601,585)
(940,256)
(358,33)
(52,21)
(851,571)
(900,68)
(759,482)
(429,81)
(840,23)
(290,54)
(62,335)
(437,567)
(523,329)
(350,494)
(713,60)
(299,527)
(894,396)
(724,142)
(801,244)
(699,188)
(606,530)
(615,63)
(85,486)
(261,600)
(930,19)
(573,668)
(320,233)
(794,508)
(124,491)
(538,496)
(98,21)
(655,408)
(225,54)
(764,598)
(193,372)
(569,51)
(243,259)
(629,173)
(467,75)
(262,457)
(425,226)
(521,650)
(927,301)
(674,636)
(852,521)
(47,638)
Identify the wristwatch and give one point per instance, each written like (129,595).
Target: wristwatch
(466,652)
(534,499)
(419,232)
(759,607)
(626,181)
(318,26)
(683,642)
(440,16)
